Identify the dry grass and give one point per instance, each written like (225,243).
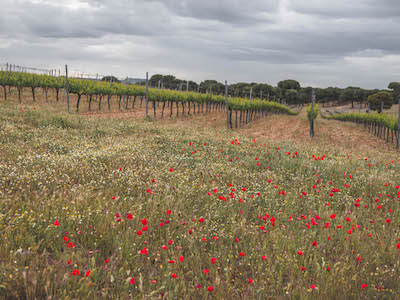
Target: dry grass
(342,136)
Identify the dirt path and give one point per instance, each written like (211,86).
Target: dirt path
(282,128)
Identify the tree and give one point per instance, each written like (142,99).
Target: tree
(349,94)
(265,88)
(155,79)
(305,95)
(276,92)
(395,86)
(108,78)
(212,86)
(168,81)
(239,89)
(292,97)
(375,101)
(288,84)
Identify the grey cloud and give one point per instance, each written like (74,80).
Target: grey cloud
(227,11)
(341,43)
(348,9)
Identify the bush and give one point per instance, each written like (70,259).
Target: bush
(375,101)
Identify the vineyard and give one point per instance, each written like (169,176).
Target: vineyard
(112,190)
(126,96)
(381,125)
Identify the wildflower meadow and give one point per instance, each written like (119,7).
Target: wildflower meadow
(118,209)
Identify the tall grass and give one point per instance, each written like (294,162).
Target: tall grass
(78,193)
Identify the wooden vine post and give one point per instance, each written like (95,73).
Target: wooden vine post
(311,114)
(248,112)
(227,106)
(125,96)
(187,96)
(66,85)
(398,126)
(147,94)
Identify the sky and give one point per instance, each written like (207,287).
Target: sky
(319,43)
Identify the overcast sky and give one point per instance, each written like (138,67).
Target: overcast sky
(317,42)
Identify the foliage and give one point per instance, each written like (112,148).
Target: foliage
(110,79)
(292,97)
(90,88)
(375,101)
(288,84)
(395,86)
(315,113)
(386,120)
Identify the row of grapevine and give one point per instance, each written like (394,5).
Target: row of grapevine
(190,102)
(247,111)
(382,125)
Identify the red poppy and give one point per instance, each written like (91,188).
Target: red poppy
(206,271)
(132,281)
(210,289)
(300,252)
(129,216)
(87,274)
(168,212)
(56,223)
(174,275)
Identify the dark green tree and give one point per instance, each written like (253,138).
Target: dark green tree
(375,101)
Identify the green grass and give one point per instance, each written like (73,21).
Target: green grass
(83,171)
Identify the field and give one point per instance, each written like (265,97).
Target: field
(111,205)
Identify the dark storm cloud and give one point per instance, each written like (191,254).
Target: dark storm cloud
(316,42)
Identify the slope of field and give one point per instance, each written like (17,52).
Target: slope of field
(110,208)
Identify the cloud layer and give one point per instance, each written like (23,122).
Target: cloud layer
(319,43)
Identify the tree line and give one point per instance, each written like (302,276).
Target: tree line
(288,91)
